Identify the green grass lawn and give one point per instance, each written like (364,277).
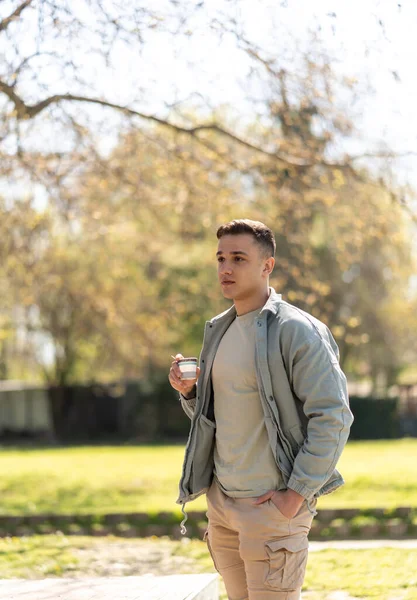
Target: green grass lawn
(145,478)
(379,574)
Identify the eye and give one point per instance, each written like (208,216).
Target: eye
(221,259)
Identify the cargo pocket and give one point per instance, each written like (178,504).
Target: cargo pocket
(287,563)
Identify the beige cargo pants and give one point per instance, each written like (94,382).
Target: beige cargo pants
(260,554)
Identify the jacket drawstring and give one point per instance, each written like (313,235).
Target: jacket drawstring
(182,525)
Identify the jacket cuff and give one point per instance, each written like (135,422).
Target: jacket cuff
(190,401)
(301,489)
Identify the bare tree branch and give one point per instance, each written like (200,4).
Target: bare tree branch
(16,71)
(15,15)
(17,101)
(25,111)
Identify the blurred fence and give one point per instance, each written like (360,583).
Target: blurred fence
(133,411)
(150,412)
(407,409)
(375,418)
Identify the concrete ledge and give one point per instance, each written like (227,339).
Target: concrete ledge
(148,587)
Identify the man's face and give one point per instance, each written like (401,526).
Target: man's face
(240,260)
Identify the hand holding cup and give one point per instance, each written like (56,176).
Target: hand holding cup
(183,374)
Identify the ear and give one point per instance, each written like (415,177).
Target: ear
(269,265)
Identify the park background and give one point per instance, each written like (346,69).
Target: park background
(127,136)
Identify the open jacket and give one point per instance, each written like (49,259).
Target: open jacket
(304,398)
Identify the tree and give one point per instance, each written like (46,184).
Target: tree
(110,273)
(344,250)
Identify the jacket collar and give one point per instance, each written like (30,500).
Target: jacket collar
(271,305)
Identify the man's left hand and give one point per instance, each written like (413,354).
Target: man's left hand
(287,501)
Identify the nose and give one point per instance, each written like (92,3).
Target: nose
(225,269)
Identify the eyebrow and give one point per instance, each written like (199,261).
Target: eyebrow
(233,252)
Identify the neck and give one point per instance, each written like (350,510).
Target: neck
(247,305)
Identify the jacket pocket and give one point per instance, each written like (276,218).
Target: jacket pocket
(203,462)
(287,563)
(297,437)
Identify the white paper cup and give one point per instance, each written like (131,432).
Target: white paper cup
(188,368)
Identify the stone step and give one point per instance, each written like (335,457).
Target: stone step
(147,587)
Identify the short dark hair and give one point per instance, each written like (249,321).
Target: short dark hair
(262,234)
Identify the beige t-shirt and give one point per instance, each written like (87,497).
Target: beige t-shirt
(244,464)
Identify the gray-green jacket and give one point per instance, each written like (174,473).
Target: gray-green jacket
(304,399)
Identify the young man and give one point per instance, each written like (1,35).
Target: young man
(269,417)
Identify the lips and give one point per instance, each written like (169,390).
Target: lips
(227,282)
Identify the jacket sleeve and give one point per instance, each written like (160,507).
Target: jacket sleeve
(320,384)
(188,405)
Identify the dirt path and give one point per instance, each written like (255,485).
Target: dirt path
(141,557)
(131,558)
